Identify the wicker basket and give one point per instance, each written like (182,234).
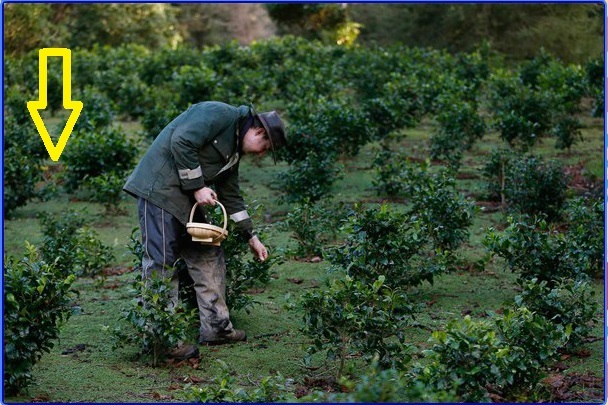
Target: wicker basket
(207,234)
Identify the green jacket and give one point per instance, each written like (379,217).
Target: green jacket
(197,149)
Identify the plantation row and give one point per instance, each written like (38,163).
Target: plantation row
(336,101)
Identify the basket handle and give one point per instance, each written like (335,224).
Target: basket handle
(223,210)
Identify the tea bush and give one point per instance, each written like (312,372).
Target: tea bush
(443,213)
(495,171)
(106,189)
(377,385)
(154,322)
(459,126)
(567,131)
(507,354)
(351,316)
(309,179)
(554,255)
(93,153)
(585,233)
(389,167)
(536,186)
(313,226)
(568,304)
(131,97)
(97,111)
(24,153)
(72,246)
(594,75)
(334,123)
(194,83)
(533,343)
(37,300)
(22,173)
(15,104)
(224,388)
(380,242)
(397,105)
(164,108)
(527,183)
(463,358)
(521,113)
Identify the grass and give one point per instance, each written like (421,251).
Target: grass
(98,374)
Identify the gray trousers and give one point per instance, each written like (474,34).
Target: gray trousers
(165,240)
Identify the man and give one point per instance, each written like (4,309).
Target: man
(196,159)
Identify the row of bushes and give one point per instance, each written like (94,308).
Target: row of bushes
(503,357)
(335,99)
(39,294)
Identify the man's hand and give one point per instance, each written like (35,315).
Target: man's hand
(258,249)
(205,196)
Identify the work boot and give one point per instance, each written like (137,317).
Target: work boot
(236,335)
(183,352)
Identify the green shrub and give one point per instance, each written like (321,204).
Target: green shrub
(594,73)
(132,96)
(534,250)
(154,323)
(443,214)
(389,167)
(350,316)
(567,131)
(91,154)
(459,126)
(72,246)
(106,189)
(15,106)
(533,342)
(495,171)
(464,358)
(381,242)
(334,123)
(377,385)
(194,84)
(585,233)
(24,154)
(309,179)
(528,184)
(136,248)
(313,226)
(224,388)
(163,110)
(568,304)
(507,354)
(535,186)
(397,105)
(37,300)
(21,175)
(522,114)
(97,111)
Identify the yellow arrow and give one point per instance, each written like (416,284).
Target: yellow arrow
(35,106)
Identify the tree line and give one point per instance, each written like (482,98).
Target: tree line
(572,32)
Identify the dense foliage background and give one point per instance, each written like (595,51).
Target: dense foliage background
(572,32)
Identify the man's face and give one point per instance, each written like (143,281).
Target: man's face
(256,142)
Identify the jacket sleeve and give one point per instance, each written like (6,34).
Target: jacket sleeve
(229,194)
(197,128)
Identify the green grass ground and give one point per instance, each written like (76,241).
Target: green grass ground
(275,344)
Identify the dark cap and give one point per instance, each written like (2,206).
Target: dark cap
(274,128)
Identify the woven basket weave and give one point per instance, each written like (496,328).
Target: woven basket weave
(207,234)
